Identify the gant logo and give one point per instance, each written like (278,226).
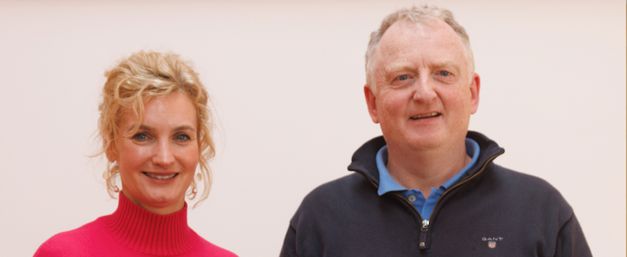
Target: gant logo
(492,241)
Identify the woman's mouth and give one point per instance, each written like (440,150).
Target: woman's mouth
(160,176)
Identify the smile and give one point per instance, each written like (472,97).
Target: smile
(160,176)
(425,116)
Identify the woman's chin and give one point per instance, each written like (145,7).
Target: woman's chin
(162,201)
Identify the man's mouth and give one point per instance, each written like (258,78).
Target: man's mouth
(425,116)
(160,176)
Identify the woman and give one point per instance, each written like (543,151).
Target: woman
(154,127)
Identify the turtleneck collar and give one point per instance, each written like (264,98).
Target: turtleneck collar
(148,232)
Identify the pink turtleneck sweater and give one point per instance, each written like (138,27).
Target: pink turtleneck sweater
(132,231)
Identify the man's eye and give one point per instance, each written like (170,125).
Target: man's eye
(182,137)
(141,137)
(403,77)
(444,73)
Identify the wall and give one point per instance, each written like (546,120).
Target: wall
(286,79)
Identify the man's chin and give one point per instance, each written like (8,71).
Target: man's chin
(422,141)
(425,144)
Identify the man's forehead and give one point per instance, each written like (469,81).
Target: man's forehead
(432,38)
(404,31)
(409,27)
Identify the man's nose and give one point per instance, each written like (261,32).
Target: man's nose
(163,155)
(423,89)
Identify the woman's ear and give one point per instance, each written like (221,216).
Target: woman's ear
(111,153)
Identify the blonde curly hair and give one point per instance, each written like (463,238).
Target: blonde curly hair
(134,81)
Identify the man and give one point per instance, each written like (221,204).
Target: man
(428,187)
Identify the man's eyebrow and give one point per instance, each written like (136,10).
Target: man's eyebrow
(398,67)
(407,66)
(445,64)
(455,68)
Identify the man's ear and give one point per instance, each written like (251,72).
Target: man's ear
(475,87)
(372,103)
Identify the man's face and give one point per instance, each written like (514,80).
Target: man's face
(424,92)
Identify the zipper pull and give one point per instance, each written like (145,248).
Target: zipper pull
(425,224)
(424,229)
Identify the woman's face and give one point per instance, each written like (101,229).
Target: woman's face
(158,161)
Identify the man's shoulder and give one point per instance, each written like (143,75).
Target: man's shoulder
(525,188)
(337,196)
(518,180)
(346,185)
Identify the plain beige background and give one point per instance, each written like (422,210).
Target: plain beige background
(286,79)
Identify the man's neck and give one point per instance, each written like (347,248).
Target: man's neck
(425,169)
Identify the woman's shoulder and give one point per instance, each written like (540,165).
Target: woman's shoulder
(214,250)
(75,242)
(217,251)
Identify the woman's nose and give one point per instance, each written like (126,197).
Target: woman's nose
(163,156)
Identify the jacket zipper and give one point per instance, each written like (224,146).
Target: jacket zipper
(426,224)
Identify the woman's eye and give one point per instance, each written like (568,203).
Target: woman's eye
(182,137)
(141,137)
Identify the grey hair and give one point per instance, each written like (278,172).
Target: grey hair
(416,15)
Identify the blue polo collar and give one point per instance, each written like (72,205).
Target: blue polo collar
(388,184)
